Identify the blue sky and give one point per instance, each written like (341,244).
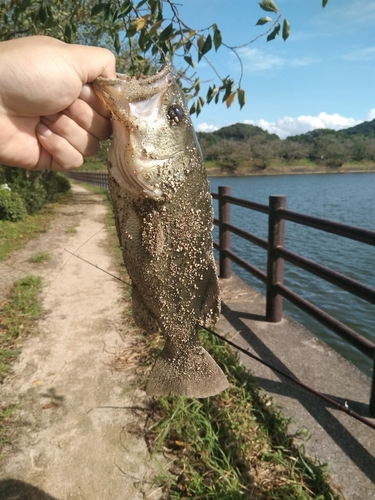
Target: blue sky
(323,76)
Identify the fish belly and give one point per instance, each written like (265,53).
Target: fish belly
(167,250)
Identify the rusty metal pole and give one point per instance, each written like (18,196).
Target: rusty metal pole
(224,234)
(275,265)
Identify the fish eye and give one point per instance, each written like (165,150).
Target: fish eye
(175,113)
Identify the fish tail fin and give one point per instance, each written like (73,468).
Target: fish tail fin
(192,373)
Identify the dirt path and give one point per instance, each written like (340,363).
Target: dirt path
(78,430)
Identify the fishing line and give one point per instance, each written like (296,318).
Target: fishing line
(294,380)
(97,267)
(71,254)
(334,403)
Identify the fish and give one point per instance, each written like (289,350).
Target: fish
(164,220)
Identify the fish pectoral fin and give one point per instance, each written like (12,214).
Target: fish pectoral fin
(193,373)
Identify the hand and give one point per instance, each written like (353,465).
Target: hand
(50,117)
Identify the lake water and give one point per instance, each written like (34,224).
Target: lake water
(346,198)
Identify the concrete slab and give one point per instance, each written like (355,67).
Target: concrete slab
(346,444)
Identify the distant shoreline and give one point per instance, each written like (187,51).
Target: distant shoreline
(349,169)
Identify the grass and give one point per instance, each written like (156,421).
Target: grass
(39,258)
(17,317)
(232,446)
(14,235)
(6,415)
(71,230)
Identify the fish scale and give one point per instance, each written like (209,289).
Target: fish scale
(163,212)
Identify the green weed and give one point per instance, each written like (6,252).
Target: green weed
(39,258)
(71,230)
(17,317)
(234,445)
(14,235)
(6,415)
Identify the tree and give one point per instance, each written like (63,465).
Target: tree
(144,34)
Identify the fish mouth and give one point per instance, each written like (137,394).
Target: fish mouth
(135,103)
(125,93)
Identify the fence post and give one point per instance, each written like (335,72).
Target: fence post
(224,234)
(275,265)
(372,394)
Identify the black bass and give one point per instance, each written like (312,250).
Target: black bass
(164,218)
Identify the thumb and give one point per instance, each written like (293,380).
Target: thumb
(91,62)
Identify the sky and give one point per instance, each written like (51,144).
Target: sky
(323,76)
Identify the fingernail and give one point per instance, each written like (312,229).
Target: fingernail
(86,92)
(41,129)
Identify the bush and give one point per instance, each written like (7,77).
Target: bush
(55,183)
(12,206)
(34,195)
(35,188)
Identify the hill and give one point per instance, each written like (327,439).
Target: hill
(366,128)
(243,131)
(247,147)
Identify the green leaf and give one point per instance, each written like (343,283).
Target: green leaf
(42,14)
(155,26)
(126,8)
(263,20)
(241,96)
(268,5)
(286,30)
(193,109)
(197,86)
(98,8)
(200,43)
(188,45)
(207,46)
(324,3)
(217,37)
(166,33)
(117,43)
(275,32)
(212,91)
(153,4)
(67,33)
(189,60)
(200,103)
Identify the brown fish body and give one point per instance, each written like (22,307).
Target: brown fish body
(163,213)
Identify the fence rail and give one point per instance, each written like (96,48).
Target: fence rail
(277,255)
(99,179)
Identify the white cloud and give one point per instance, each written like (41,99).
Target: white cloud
(289,125)
(259,60)
(205,127)
(361,54)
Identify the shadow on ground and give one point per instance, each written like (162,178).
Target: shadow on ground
(316,407)
(12,489)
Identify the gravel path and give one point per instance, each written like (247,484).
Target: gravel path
(79,427)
